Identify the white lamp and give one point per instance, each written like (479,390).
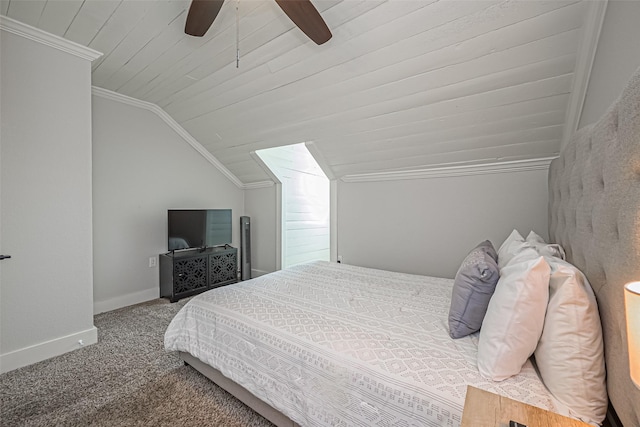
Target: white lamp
(632,304)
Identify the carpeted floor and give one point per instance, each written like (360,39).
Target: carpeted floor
(126,379)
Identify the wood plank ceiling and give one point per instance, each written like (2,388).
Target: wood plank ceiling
(402,85)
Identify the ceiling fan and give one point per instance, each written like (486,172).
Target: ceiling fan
(202,13)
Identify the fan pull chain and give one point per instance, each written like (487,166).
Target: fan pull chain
(237,33)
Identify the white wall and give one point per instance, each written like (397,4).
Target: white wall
(305,203)
(141,168)
(46,287)
(617,57)
(427,226)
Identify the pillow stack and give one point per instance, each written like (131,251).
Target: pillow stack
(543,305)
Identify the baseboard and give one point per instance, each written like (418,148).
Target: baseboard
(126,300)
(46,350)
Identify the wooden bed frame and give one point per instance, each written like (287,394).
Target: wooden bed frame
(594,213)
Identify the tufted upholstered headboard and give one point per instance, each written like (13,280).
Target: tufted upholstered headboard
(594,213)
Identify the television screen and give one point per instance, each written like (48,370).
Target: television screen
(198,228)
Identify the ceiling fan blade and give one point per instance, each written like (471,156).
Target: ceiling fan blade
(307,18)
(201,15)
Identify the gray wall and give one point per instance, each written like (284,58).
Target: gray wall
(141,168)
(46,288)
(422,226)
(260,205)
(617,57)
(427,226)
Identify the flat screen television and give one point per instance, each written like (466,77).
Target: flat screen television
(198,228)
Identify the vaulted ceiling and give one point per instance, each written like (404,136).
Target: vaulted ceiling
(402,85)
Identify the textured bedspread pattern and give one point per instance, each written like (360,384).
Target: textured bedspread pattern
(332,344)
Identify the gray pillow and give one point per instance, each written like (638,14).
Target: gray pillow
(487,246)
(473,287)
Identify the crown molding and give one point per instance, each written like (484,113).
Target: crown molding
(584,64)
(454,171)
(312,147)
(259,184)
(114,96)
(267,170)
(27,31)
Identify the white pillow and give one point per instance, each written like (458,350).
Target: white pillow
(510,248)
(570,354)
(544,248)
(513,324)
(533,237)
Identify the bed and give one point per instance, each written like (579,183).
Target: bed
(354,335)
(332,344)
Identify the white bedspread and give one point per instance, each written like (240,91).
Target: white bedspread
(336,345)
